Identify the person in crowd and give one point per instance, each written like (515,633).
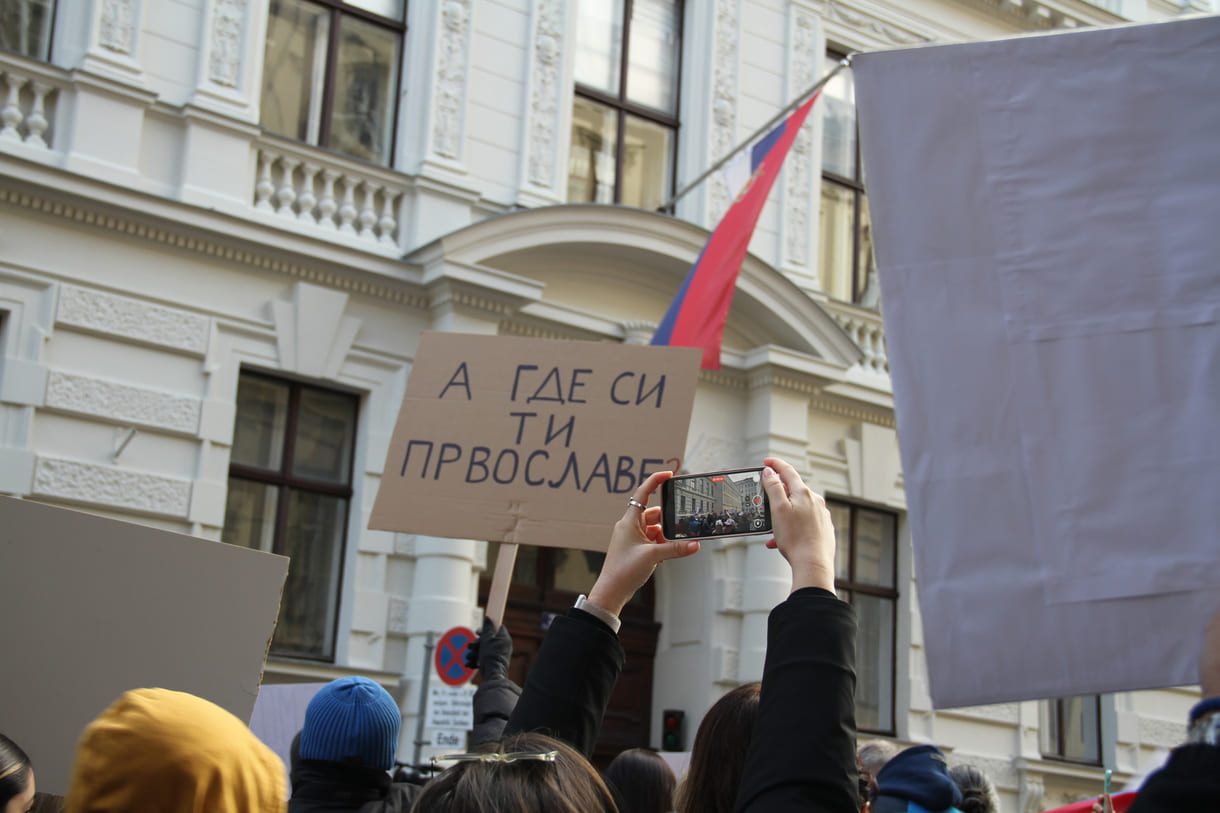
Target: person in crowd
(497,695)
(718,753)
(871,757)
(342,757)
(173,752)
(978,791)
(916,779)
(641,781)
(801,754)
(1190,779)
(16,778)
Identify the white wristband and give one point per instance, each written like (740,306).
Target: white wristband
(600,613)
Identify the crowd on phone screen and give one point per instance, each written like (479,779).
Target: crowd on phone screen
(785,743)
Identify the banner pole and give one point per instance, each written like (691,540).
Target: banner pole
(668,206)
(497,595)
(420,742)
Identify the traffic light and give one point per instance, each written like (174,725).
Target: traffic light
(673,730)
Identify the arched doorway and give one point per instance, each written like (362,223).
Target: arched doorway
(546,582)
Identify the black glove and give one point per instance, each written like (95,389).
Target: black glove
(490,652)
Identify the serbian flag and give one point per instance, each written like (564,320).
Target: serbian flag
(697,316)
(1120,801)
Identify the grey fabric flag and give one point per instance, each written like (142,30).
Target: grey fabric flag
(1046,213)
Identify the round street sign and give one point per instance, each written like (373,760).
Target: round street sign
(450,656)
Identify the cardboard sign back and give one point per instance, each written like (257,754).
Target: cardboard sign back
(531,441)
(93,607)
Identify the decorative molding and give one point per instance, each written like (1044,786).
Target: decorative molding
(133,320)
(769,380)
(450,297)
(804,65)
(1001,771)
(454,49)
(722,379)
(228,24)
(194,244)
(862,21)
(117,27)
(396,617)
(724,100)
(1031,791)
(546,93)
(510,327)
(312,334)
(122,403)
(732,596)
(112,487)
(728,665)
(861,413)
(1161,733)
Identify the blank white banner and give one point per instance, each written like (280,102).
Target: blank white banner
(1046,213)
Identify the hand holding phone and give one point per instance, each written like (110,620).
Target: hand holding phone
(718,503)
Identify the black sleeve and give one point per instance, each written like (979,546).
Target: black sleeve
(566,691)
(493,703)
(1188,781)
(802,753)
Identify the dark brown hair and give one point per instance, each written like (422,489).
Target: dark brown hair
(14,770)
(718,756)
(641,781)
(567,785)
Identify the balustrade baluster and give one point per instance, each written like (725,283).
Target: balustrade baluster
(36,123)
(265,186)
(327,206)
(388,222)
(368,213)
(882,360)
(347,212)
(11,114)
(307,199)
(287,193)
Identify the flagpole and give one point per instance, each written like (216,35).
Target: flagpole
(668,205)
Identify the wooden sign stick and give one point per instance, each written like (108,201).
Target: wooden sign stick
(501,578)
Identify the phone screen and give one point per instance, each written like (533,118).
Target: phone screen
(718,503)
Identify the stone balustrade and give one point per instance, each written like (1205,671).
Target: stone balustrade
(27,107)
(326,193)
(866,330)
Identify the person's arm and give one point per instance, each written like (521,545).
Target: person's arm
(802,751)
(496,696)
(569,685)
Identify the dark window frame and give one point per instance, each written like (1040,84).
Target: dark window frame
(856,185)
(1056,707)
(622,107)
(285,482)
(337,10)
(855,587)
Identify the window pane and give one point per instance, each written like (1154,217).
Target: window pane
(591,166)
(839,124)
(874,662)
(25,27)
(840,515)
(599,44)
(314,540)
(294,69)
(576,570)
(250,514)
(260,425)
(864,269)
(386,8)
(652,54)
(326,424)
(874,547)
(525,571)
(646,163)
(1079,735)
(366,85)
(837,220)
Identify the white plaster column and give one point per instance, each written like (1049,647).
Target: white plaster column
(802,169)
(113,38)
(432,122)
(547,114)
(232,45)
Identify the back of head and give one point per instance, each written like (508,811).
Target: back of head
(565,784)
(919,774)
(718,756)
(353,721)
(641,782)
(871,757)
(172,752)
(978,792)
(14,771)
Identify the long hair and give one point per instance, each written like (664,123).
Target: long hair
(641,781)
(14,770)
(569,784)
(719,753)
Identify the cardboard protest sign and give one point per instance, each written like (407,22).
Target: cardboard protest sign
(531,441)
(94,607)
(1044,220)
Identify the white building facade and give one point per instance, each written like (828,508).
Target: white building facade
(225,223)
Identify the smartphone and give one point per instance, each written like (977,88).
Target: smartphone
(718,503)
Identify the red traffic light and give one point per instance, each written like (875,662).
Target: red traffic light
(673,736)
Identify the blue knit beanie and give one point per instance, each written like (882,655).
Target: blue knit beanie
(354,721)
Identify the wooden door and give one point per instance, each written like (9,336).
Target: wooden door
(546,582)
